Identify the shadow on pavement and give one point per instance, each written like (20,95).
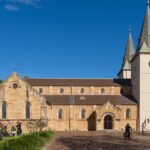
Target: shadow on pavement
(103,142)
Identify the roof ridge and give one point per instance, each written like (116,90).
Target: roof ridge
(75,78)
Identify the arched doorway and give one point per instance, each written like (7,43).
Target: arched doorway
(108,122)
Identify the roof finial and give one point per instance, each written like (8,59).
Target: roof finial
(129,29)
(147,4)
(15,69)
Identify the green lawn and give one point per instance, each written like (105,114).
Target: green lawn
(33,141)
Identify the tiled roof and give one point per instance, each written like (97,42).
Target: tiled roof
(78,82)
(90,100)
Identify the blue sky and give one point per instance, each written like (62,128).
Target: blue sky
(66,38)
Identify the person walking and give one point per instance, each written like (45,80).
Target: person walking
(13,131)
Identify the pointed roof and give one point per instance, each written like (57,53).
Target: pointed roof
(129,52)
(130,49)
(145,32)
(126,66)
(144,48)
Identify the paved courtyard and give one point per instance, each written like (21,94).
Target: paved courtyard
(98,141)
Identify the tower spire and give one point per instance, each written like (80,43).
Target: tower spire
(130,48)
(129,29)
(147,2)
(129,53)
(148,5)
(145,32)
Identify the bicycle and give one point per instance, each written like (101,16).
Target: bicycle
(127,135)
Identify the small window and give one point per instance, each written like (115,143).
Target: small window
(4,110)
(128,114)
(60,114)
(149,63)
(148,120)
(102,91)
(83,114)
(15,86)
(61,90)
(40,90)
(28,110)
(82,90)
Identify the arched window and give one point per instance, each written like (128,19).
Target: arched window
(102,91)
(4,110)
(83,114)
(82,90)
(61,90)
(40,90)
(60,114)
(28,110)
(128,113)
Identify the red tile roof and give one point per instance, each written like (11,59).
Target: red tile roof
(78,82)
(90,100)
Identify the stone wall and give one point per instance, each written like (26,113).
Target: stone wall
(15,94)
(88,90)
(94,117)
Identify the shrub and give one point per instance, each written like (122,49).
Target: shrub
(32,141)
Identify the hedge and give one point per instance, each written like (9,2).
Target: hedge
(32,141)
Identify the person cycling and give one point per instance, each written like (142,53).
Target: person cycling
(128,130)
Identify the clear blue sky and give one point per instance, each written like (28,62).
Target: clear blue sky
(66,38)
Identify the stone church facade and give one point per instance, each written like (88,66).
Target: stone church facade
(85,104)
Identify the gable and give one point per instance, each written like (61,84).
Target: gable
(16,89)
(109,108)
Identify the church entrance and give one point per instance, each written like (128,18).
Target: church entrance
(108,122)
(92,122)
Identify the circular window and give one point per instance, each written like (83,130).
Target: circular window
(15,86)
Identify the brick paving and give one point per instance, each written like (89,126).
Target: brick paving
(105,140)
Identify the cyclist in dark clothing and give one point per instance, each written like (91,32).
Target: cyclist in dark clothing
(128,130)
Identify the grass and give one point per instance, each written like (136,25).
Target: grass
(33,141)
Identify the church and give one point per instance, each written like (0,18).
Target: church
(85,104)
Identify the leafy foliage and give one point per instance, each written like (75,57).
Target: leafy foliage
(32,141)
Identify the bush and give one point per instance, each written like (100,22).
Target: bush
(33,141)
